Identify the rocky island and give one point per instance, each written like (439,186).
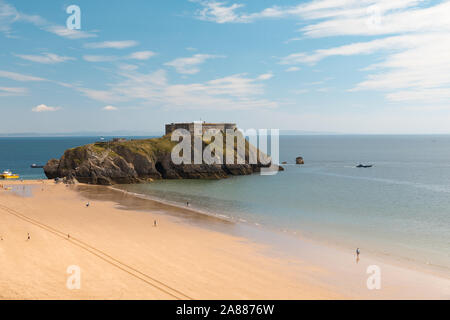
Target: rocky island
(123,161)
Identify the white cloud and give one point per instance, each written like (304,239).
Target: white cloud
(369,47)
(378,18)
(189,65)
(63,31)
(293,39)
(142,55)
(19,77)
(9,15)
(228,93)
(368,10)
(128,67)
(108,96)
(12,91)
(301,91)
(97,58)
(292,69)
(47,58)
(265,76)
(112,44)
(44,108)
(218,11)
(411,45)
(110,108)
(412,40)
(414,67)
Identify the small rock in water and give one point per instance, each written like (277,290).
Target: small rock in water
(299,160)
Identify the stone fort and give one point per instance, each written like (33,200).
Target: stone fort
(189,126)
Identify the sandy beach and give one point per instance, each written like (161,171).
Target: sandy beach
(123,255)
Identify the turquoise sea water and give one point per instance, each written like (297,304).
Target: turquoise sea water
(400,207)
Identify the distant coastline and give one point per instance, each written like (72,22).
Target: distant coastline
(152,134)
(82,134)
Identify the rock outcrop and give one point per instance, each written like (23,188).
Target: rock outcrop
(135,161)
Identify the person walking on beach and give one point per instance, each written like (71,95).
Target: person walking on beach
(357,254)
(154,223)
(29,237)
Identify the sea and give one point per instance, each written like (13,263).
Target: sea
(398,208)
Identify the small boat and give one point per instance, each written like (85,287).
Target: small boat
(364,166)
(9,175)
(35,166)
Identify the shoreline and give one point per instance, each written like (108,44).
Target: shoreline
(326,267)
(122,254)
(417,265)
(275,243)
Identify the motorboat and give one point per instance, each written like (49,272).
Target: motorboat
(364,166)
(7,174)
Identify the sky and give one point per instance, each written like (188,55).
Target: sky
(344,66)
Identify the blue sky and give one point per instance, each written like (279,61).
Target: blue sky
(348,66)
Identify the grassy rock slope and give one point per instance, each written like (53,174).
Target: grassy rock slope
(135,161)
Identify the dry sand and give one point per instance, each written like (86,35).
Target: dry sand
(122,255)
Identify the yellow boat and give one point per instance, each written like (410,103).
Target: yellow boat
(9,175)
